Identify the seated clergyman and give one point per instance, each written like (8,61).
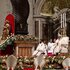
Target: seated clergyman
(40,53)
(41,49)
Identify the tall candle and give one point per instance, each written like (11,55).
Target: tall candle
(61,20)
(65,19)
(39,30)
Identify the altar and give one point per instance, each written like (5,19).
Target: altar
(24,48)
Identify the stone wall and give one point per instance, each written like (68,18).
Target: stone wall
(31,25)
(5,8)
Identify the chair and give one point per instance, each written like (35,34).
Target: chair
(66,63)
(11,62)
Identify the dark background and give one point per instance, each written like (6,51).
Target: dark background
(21,13)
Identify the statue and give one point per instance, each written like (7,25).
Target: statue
(6,30)
(56,13)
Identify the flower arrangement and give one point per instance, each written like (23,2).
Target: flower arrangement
(26,37)
(10,40)
(55,62)
(52,62)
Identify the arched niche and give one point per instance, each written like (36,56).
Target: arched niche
(38,6)
(21,13)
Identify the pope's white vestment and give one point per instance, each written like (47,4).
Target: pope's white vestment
(64,44)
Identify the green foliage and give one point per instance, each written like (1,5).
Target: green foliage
(8,41)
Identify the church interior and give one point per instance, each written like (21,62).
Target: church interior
(34,34)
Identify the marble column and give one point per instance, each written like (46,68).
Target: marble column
(31,25)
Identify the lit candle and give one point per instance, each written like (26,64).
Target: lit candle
(39,30)
(65,19)
(61,21)
(17,51)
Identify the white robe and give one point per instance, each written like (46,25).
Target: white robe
(40,59)
(51,47)
(64,44)
(57,46)
(41,48)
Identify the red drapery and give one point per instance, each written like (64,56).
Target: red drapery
(9,48)
(10,18)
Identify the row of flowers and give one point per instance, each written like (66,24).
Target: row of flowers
(52,62)
(26,37)
(10,40)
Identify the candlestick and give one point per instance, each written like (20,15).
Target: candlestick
(61,21)
(65,19)
(39,30)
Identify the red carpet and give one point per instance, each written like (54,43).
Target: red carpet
(28,69)
(50,54)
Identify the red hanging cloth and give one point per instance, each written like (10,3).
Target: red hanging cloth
(10,18)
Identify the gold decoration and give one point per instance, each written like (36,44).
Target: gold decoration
(6,30)
(48,5)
